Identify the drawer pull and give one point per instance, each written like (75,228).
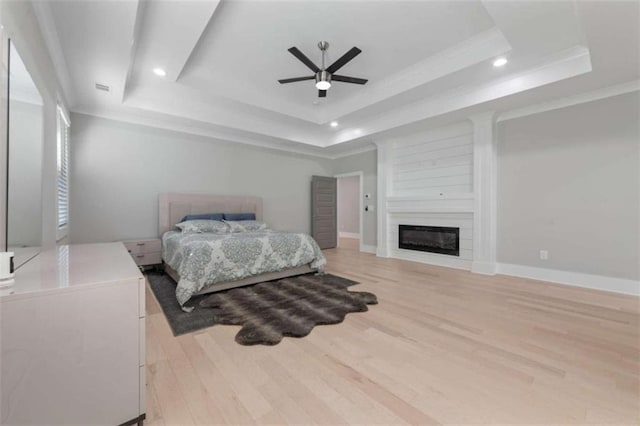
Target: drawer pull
(140,244)
(140,256)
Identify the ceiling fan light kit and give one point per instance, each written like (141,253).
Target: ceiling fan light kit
(323,80)
(324,76)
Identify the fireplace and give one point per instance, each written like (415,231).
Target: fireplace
(434,239)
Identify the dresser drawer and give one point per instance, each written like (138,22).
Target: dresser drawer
(143,259)
(143,246)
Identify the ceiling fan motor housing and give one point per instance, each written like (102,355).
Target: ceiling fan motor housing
(323,75)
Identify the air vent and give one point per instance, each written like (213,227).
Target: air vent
(103,87)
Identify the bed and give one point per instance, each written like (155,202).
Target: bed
(193,260)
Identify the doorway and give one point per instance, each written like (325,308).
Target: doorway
(349,210)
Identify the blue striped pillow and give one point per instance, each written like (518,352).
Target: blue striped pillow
(203,216)
(239,216)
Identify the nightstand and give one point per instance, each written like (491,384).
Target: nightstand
(145,252)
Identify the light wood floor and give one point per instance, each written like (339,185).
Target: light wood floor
(442,346)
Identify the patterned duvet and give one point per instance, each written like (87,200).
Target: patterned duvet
(208,258)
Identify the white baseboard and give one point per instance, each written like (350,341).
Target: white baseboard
(348,235)
(368,249)
(597,282)
(381,252)
(484,268)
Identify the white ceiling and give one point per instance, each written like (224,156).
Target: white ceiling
(426,61)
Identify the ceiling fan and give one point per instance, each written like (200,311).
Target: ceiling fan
(324,76)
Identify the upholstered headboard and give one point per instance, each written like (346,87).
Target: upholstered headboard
(173,207)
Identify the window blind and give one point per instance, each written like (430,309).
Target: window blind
(63,170)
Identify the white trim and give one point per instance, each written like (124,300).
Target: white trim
(485,196)
(348,234)
(479,48)
(577,279)
(484,268)
(63,114)
(360,175)
(382,185)
(216,136)
(366,248)
(566,64)
(581,98)
(351,152)
(42,10)
(121,92)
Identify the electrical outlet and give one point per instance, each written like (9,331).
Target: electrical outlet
(544,255)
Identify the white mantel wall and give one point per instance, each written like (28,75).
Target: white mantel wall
(575,166)
(428,179)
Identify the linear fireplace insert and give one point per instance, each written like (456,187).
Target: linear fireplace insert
(434,239)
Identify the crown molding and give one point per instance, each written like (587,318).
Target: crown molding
(569,63)
(353,152)
(581,98)
(190,129)
(479,48)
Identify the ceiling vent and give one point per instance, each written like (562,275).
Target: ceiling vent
(103,87)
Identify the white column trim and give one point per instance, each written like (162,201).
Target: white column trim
(484,189)
(360,175)
(383,219)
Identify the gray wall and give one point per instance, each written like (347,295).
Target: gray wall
(349,204)
(365,162)
(118,170)
(25,171)
(568,182)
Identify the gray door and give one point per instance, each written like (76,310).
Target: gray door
(323,211)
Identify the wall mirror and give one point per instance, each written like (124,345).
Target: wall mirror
(24,166)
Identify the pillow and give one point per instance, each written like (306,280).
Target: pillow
(203,216)
(199,226)
(239,216)
(245,225)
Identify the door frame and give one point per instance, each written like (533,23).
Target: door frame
(361,205)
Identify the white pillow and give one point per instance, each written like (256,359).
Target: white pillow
(245,225)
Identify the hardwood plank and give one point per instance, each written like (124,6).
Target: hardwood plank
(442,346)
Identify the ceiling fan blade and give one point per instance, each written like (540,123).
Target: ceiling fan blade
(293,80)
(343,60)
(298,54)
(345,79)
(322,93)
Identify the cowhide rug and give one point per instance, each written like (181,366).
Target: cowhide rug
(288,307)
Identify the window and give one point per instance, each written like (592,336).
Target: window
(63,174)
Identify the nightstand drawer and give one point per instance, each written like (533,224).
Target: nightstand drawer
(147,258)
(143,246)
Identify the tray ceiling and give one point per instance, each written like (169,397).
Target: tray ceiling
(425,60)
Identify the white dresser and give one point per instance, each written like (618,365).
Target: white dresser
(72,342)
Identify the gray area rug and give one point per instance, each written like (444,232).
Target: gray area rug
(266,311)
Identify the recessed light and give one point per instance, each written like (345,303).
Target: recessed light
(500,62)
(334,124)
(159,72)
